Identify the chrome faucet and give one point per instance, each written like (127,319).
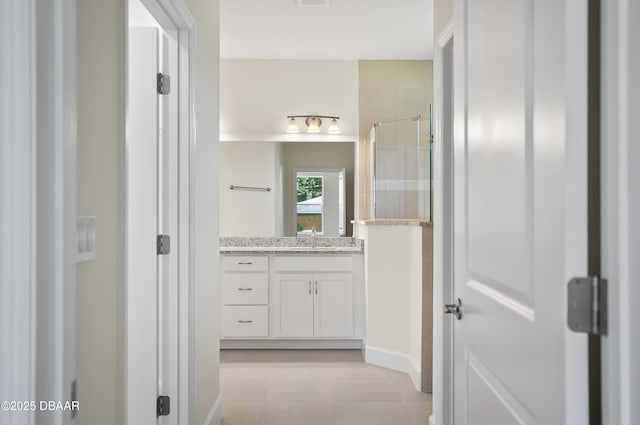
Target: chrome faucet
(313,237)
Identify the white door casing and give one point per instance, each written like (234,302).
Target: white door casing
(620,209)
(37,208)
(509,212)
(443,232)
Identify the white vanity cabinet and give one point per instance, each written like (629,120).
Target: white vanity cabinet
(245,296)
(318,303)
(311,300)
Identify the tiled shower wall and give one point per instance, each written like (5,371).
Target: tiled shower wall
(388,90)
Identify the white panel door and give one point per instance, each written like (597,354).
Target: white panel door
(142,226)
(292,305)
(333,305)
(509,211)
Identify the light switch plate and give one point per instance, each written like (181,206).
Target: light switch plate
(86,238)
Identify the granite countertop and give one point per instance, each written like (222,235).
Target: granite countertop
(290,245)
(394,222)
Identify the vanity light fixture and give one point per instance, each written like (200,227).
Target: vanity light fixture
(313,122)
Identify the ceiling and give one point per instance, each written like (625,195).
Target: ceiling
(340,29)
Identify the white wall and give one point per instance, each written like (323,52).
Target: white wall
(257,95)
(249,213)
(394,295)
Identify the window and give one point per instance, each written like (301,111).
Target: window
(310,203)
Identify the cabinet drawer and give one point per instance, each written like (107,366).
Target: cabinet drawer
(245,321)
(245,263)
(245,288)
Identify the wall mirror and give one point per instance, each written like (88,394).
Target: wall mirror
(278,166)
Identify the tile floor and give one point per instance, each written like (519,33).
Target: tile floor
(316,387)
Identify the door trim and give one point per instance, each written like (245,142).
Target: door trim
(38,205)
(442,257)
(174,16)
(621,206)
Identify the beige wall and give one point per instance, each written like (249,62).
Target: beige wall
(100,179)
(258,94)
(316,155)
(442,14)
(207,286)
(100,186)
(388,90)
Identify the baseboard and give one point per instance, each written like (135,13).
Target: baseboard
(215,414)
(257,344)
(394,360)
(432,420)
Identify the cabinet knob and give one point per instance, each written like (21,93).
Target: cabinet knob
(245,289)
(245,321)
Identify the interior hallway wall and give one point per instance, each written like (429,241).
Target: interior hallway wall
(207,286)
(100,178)
(100,192)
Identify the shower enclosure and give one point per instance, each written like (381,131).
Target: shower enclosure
(401,151)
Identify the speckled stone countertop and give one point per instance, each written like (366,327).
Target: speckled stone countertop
(290,245)
(394,222)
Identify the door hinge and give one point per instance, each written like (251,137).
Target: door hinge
(163,405)
(587,305)
(163,245)
(164,83)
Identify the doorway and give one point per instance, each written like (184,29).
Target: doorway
(158,215)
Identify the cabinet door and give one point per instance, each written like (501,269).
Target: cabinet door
(333,304)
(291,305)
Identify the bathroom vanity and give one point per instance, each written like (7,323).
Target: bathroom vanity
(292,292)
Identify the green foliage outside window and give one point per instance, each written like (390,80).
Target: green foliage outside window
(309,187)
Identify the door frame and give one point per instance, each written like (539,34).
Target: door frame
(174,16)
(442,244)
(620,208)
(38,219)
